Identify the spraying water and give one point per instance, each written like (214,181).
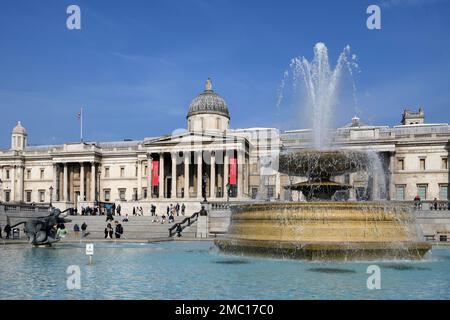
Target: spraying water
(320,83)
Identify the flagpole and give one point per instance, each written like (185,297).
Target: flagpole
(81,125)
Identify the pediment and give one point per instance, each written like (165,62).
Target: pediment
(191,138)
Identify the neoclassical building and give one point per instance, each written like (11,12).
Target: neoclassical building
(224,163)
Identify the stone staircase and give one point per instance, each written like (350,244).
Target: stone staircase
(137,228)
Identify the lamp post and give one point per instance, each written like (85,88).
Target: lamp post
(51,196)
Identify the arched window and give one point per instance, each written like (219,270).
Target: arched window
(218,123)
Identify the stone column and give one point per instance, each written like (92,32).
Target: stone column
(139,180)
(187,159)
(55,182)
(93,174)
(174,175)
(149,177)
(65,181)
(13,184)
(240,165)
(161,175)
(1,183)
(199,174)
(82,177)
(212,178)
(391,176)
(226,173)
(21,183)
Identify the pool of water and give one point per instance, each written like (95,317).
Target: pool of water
(196,270)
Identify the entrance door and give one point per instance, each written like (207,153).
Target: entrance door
(169,187)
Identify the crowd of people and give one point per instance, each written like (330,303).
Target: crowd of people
(169,216)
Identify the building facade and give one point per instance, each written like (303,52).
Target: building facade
(210,159)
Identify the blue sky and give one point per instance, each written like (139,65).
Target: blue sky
(136,65)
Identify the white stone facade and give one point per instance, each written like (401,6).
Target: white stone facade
(414,158)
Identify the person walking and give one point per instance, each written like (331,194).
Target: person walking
(179,229)
(119,230)
(134,211)
(177,208)
(118,209)
(83,229)
(7,231)
(183,209)
(153,210)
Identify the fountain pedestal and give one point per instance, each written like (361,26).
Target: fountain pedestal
(325,230)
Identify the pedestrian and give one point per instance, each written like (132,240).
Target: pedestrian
(177,207)
(119,230)
(7,231)
(153,210)
(76,230)
(171,218)
(83,229)
(183,208)
(134,211)
(168,210)
(435,204)
(179,229)
(109,231)
(61,232)
(141,211)
(118,209)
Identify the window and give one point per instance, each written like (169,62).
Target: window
(28,174)
(422,190)
(122,172)
(218,123)
(400,164)
(7,175)
(145,170)
(400,192)
(7,196)
(122,194)
(270,192)
(42,174)
(347,179)
(107,194)
(254,193)
(144,192)
(444,163)
(41,196)
(443,192)
(28,196)
(422,164)
(106,172)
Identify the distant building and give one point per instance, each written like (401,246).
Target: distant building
(224,163)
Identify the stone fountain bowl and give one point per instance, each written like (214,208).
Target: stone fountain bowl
(318,164)
(325,231)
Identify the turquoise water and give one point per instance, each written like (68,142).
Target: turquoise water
(196,270)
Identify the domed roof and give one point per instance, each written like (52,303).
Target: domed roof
(208,102)
(19,129)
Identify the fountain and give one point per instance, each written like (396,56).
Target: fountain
(321,228)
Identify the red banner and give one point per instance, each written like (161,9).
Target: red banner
(233,171)
(155,173)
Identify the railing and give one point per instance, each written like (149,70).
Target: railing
(18,208)
(188,220)
(439,205)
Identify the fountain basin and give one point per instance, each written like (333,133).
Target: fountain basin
(325,230)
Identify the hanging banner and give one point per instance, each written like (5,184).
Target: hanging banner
(233,171)
(155,173)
